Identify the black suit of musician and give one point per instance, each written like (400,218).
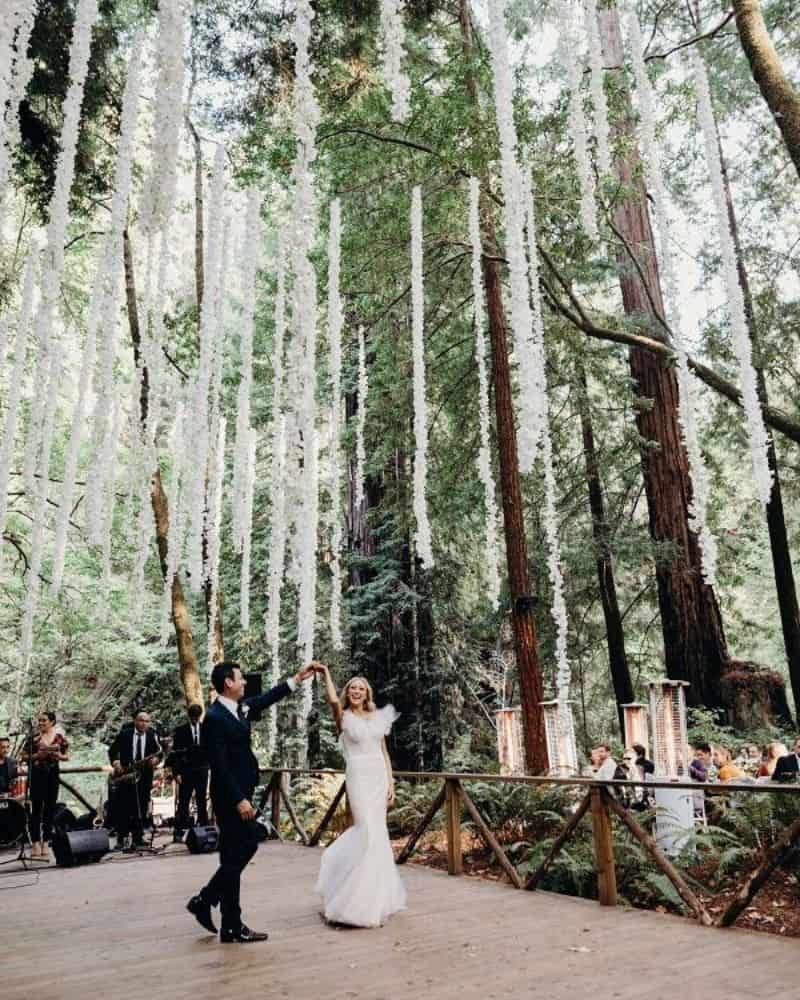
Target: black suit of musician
(788,768)
(132,798)
(190,766)
(234,776)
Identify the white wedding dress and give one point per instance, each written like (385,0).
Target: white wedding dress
(358,879)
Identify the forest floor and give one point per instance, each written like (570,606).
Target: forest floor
(775,910)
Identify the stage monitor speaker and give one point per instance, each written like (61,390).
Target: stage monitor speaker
(80,847)
(202,839)
(255,686)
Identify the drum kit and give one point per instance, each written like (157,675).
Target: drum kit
(14,816)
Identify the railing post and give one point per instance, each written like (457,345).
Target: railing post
(603,848)
(453,804)
(275,803)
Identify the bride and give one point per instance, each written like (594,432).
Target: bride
(358,879)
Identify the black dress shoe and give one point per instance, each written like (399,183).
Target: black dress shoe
(201,911)
(243,936)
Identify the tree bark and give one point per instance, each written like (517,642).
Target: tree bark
(615,633)
(776,521)
(189,673)
(694,640)
(783,100)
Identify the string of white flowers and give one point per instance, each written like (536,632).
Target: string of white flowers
(492,553)
(277,558)
(361,418)
(550,516)
(335,323)
(422,537)
(215,484)
(196,491)
(14,81)
(241,451)
(160,188)
(392,49)
(53,257)
(247,526)
(103,289)
(16,381)
(179,436)
(687,392)
(571,63)
(754,418)
(145,461)
(306,119)
(514,215)
(109,493)
(597,89)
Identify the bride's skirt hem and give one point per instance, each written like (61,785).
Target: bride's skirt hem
(330,917)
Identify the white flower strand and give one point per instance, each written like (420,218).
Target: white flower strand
(178,439)
(109,494)
(104,287)
(13,85)
(361,419)
(53,258)
(392,47)
(422,537)
(576,121)
(596,80)
(514,215)
(215,487)
(247,529)
(277,559)
(492,554)
(756,431)
(250,249)
(335,323)
(550,517)
(15,384)
(687,392)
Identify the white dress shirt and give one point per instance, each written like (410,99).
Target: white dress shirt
(139,754)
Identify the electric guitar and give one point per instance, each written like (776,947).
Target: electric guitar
(132,772)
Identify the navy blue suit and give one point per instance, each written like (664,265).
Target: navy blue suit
(234,776)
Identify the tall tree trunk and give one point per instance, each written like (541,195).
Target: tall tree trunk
(522,603)
(776,522)
(694,639)
(781,96)
(615,634)
(189,673)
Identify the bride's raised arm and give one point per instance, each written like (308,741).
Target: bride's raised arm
(331,695)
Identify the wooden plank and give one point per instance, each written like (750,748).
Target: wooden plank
(661,860)
(491,841)
(535,877)
(315,837)
(422,826)
(602,836)
(453,803)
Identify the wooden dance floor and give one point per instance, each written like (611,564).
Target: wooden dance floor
(119,930)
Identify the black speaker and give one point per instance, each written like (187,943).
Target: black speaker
(80,847)
(254,685)
(202,839)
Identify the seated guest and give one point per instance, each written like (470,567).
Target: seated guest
(189,763)
(604,763)
(728,771)
(788,767)
(46,752)
(646,766)
(8,767)
(134,755)
(700,765)
(774,753)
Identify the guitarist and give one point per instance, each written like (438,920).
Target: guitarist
(134,755)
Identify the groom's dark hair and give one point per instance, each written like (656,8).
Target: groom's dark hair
(222,671)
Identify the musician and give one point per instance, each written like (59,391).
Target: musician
(45,753)
(134,755)
(8,767)
(190,766)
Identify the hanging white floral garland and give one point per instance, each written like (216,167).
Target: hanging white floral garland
(104,288)
(422,536)
(687,390)
(754,418)
(597,78)
(179,438)
(514,215)
(277,559)
(392,45)
(492,551)
(361,419)
(215,486)
(247,530)
(14,79)
(109,494)
(335,322)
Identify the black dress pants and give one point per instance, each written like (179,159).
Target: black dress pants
(192,782)
(131,807)
(238,842)
(44,795)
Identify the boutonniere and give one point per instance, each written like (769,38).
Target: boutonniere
(245,710)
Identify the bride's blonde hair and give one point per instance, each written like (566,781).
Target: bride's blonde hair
(344,697)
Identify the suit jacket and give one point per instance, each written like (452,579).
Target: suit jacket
(8,775)
(185,756)
(122,747)
(226,738)
(787,768)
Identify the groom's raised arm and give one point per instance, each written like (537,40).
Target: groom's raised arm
(261,702)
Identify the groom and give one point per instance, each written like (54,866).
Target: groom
(234,776)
